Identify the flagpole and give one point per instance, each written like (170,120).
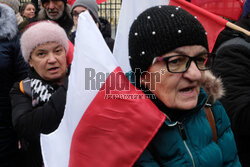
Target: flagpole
(238,28)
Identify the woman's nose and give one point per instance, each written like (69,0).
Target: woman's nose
(51,58)
(193,73)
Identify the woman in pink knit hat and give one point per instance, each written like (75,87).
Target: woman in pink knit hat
(38,101)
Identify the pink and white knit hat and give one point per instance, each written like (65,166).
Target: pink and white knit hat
(39,33)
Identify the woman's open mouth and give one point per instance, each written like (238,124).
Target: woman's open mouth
(188,91)
(53,70)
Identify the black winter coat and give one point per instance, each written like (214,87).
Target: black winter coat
(30,121)
(232,64)
(229,33)
(105,29)
(12,69)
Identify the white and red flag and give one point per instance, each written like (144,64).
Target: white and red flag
(107,122)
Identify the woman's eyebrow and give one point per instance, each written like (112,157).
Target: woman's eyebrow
(58,46)
(41,50)
(179,52)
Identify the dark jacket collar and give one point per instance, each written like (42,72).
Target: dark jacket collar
(34,75)
(244,23)
(66,21)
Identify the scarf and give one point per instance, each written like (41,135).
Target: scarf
(40,91)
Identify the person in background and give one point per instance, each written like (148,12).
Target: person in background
(38,101)
(12,69)
(58,11)
(232,66)
(169,57)
(104,26)
(14,4)
(28,10)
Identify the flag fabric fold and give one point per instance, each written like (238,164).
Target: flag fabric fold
(231,9)
(107,121)
(115,131)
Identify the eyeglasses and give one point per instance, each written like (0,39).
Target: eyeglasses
(181,63)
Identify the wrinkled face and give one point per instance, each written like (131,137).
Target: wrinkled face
(29,11)
(75,13)
(54,9)
(176,90)
(49,61)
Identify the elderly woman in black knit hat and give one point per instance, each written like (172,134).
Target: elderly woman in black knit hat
(169,57)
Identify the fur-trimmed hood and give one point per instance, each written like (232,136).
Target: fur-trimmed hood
(213,86)
(8,22)
(42,13)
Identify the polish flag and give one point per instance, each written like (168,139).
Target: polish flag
(130,9)
(107,122)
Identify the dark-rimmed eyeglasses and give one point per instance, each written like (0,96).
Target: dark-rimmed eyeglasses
(181,63)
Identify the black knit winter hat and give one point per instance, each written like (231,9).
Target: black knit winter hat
(159,30)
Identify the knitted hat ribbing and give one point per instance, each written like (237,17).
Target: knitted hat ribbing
(14,4)
(40,33)
(91,5)
(159,30)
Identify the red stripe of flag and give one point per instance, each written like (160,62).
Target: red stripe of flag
(231,9)
(114,132)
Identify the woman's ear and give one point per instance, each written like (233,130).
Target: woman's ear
(30,62)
